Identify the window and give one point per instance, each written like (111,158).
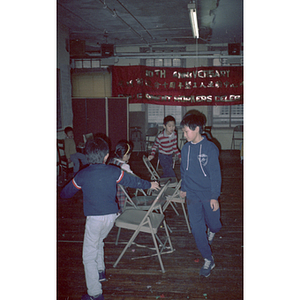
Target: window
(163,62)
(156,114)
(228,115)
(86,63)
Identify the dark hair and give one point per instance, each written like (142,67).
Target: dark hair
(169,119)
(122,148)
(192,121)
(96,150)
(67,129)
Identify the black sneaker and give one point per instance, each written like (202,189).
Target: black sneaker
(207,267)
(102,276)
(88,297)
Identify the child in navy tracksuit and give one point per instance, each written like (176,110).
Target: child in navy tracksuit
(98,183)
(201,185)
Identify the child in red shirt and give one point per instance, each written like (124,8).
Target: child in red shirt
(166,143)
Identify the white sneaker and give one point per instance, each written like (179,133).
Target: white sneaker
(207,267)
(210,236)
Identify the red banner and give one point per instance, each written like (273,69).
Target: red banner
(179,86)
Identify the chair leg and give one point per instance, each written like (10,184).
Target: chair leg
(186,218)
(118,235)
(168,235)
(157,250)
(127,246)
(174,208)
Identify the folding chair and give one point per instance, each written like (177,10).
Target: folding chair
(87,137)
(138,202)
(147,222)
(237,135)
(173,196)
(65,168)
(156,177)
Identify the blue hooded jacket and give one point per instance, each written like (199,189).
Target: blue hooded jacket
(200,169)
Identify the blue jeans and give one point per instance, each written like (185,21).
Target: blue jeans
(166,161)
(75,159)
(201,216)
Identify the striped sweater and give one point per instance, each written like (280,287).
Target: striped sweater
(166,144)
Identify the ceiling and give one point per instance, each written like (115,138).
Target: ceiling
(152,23)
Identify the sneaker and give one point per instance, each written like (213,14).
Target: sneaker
(102,276)
(88,297)
(207,267)
(210,236)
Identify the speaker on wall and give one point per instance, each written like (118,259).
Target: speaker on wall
(107,50)
(77,47)
(234,49)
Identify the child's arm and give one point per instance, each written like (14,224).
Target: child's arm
(70,190)
(175,147)
(182,170)
(153,149)
(135,182)
(215,173)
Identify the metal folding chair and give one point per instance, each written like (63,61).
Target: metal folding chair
(156,177)
(148,222)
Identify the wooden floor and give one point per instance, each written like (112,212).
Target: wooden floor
(142,278)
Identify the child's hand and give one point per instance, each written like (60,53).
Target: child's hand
(155,185)
(150,157)
(214,204)
(182,194)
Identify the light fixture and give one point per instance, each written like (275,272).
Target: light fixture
(194,20)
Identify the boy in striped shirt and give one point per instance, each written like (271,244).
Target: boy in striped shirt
(166,143)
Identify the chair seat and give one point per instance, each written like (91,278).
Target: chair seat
(132,218)
(173,181)
(143,202)
(177,200)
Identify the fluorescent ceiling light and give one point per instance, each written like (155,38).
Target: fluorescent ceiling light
(194,22)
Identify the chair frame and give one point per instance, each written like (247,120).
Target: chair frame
(240,129)
(156,177)
(87,137)
(175,198)
(63,164)
(134,205)
(152,132)
(148,222)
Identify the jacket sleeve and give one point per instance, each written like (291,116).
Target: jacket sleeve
(182,168)
(175,147)
(70,190)
(132,181)
(215,173)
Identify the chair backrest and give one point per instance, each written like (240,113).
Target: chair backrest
(87,137)
(207,129)
(151,169)
(60,148)
(176,190)
(128,198)
(152,131)
(238,128)
(160,199)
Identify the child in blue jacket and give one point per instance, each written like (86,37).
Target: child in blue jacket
(98,183)
(201,185)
